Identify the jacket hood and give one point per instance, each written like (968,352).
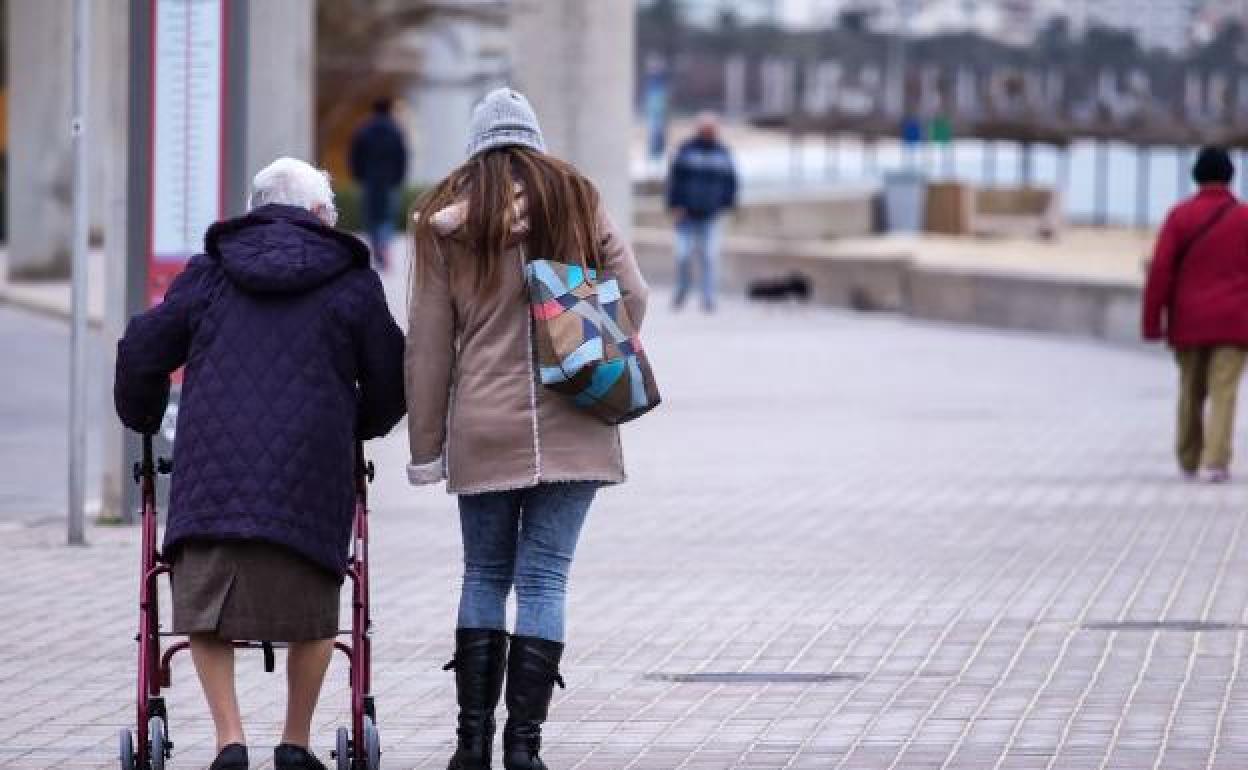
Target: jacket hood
(277,249)
(449,221)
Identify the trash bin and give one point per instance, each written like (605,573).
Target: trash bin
(904,193)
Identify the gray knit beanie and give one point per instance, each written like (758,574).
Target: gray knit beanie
(504,118)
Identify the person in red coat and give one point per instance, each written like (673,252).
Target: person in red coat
(1196,298)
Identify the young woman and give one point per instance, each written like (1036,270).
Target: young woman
(291,355)
(524,460)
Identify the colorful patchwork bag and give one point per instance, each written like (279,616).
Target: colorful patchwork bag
(585,343)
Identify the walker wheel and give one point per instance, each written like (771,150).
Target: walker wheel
(127,750)
(159,742)
(342,751)
(372,744)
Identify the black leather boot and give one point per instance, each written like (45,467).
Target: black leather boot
(479,662)
(532,672)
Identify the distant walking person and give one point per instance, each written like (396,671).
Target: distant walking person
(1197,299)
(379,164)
(701,186)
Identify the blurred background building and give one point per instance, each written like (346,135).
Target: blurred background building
(1168,24)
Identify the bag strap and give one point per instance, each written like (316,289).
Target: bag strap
(1205,229)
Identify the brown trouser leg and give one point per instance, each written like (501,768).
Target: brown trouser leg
(1213,374)
(1226,366)
(1193,387)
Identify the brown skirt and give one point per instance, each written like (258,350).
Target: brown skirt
(250,590)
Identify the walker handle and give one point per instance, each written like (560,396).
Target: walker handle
(365,471)
(144,468)
(148,465)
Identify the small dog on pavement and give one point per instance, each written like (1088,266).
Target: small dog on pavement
(793,286)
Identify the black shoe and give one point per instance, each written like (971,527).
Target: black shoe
(232,757)
(532,672)
(288,756)
(479,664)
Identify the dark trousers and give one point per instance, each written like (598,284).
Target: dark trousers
(379,204)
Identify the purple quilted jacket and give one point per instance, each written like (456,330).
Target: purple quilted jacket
(290,354)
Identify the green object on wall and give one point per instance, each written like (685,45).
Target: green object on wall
(940,130)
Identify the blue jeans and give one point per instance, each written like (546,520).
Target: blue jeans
(379,205)
(697,240)
(523,538)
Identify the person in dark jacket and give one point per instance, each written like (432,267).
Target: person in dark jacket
(378,163)
(1197,299)
(701,185)
(290,356)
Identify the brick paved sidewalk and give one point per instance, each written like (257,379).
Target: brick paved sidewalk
(923,547)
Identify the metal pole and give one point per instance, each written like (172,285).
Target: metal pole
(1242,173)
(795,158)
(138,208)
(1101,215)
(903,57)
(1144,161)
(830,170)
(1180,167)
(1063,169)
(78,333)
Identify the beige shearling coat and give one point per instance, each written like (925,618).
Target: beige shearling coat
(478,416)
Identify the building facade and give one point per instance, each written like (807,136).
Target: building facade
(1171,25)
(1164,24)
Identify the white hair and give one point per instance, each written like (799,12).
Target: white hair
(292,182)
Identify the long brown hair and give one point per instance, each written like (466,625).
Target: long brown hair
(560,204)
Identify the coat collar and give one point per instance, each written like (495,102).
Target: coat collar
(1215,191)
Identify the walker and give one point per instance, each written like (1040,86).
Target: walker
(148,746)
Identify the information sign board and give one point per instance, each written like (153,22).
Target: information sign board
(188,113)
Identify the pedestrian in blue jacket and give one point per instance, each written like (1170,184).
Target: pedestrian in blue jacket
(702,184)
(290,355)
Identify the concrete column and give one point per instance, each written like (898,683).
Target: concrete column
(574,60)
(111,54)
(107,83)
(281,81)
(448,88)
(40,200)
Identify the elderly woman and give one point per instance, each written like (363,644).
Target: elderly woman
(291,354)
